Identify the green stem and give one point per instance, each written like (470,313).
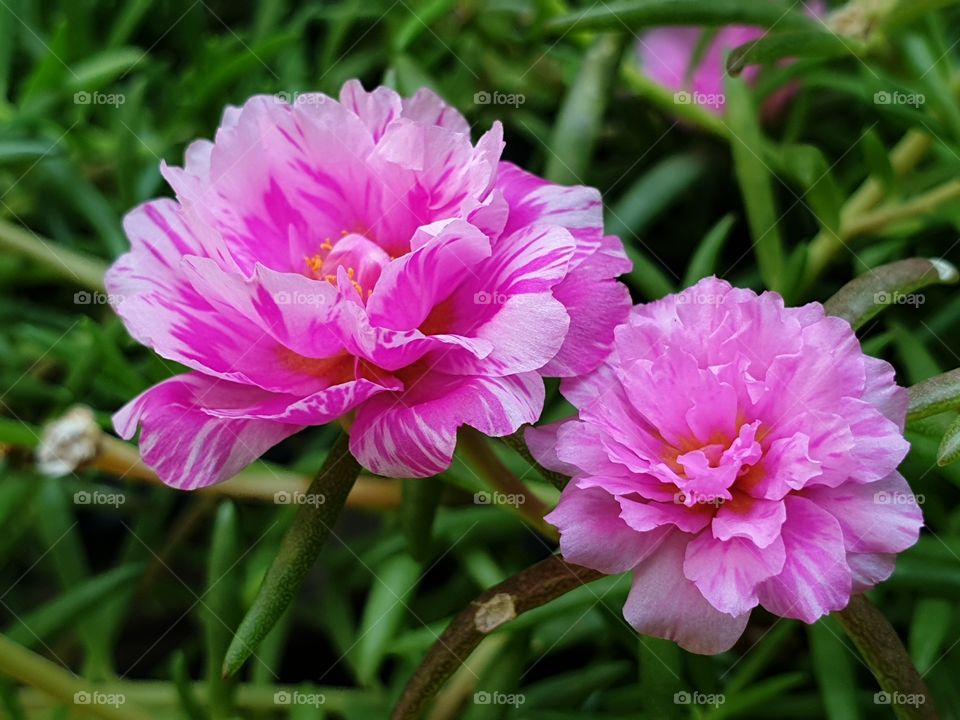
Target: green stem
(82,269)
(36,671)
(528,589)
(876,221)
(299,549)
(481,456)
(889,661)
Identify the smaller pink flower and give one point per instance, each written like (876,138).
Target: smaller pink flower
(733,452)
(673,57)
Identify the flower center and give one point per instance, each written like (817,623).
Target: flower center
(360,257)
(707,475)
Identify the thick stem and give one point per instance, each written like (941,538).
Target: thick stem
(528,589)
(84,270)
(889,661)
(481,456)
(299,549)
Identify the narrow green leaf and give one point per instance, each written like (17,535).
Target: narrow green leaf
(760,694)
(385,609)
(950,445)
(807,166)
(299,550)
(819,44)
(181,680)
(755,180)
(220,603)
(704,261)
(830,659)
(14,432)
(929,630)
(420,499)
(864,297)
(42,624)
(655,192)
(638,14)
(581,114)
(877,157)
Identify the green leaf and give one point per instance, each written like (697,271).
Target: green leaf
(386,607)
(653,193)
(220,603)
(581,114)
(934,396)
(69,609)
(877,157)
(420,499)
(299,550)
(645,13)
(830,659)
(817,44)
(950,445)
(807,166)
(704,261)
(181,680)
(756,182)
(864,297)
(932,618)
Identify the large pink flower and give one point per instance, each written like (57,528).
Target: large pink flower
(360,256)
(733,452)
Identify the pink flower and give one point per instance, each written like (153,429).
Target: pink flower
(733,452)
(691,61)
(363,257)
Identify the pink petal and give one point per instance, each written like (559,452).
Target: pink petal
(429,108)
(542,443)
(663,603)
(413,434)
(375,109)
(584,517)
(728,572)
(644,517)
(745,517)
(815,579)
(411,286)
(876,517)
(189,448)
